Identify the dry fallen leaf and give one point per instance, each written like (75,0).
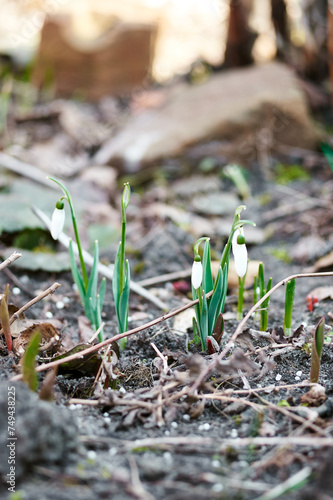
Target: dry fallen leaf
(315,396)
(50,338)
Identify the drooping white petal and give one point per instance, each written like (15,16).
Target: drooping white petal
(57,222)
(196,274)
(240,254)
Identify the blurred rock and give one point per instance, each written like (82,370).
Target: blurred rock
(114,64)
(256,107)
(43,436)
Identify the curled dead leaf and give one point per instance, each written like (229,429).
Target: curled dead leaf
(314,397)
(50,338)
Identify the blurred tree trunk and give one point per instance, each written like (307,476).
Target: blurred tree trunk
(330,45)
(240,38)
(280,23)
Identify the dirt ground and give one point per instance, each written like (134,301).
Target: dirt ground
(247,431)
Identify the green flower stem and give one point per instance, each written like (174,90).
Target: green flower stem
(76,232)
(122,256)
(241,283)
(288,306)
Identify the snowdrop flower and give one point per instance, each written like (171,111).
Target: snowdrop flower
(196,274)
(58,220)
(240,252)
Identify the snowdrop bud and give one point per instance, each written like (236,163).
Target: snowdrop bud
(196,274)
(240,252)
(58,220)
(126,196)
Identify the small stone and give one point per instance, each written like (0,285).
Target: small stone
(297,378)
(174,425)
(168,457)
(91,455)
(16,290)
(186,417)
(299,373)
(48,315)
(66,300)
(60,304)
(278,377)
(216,463)
(204,427)
(217,487)
(113,451)
(234,433)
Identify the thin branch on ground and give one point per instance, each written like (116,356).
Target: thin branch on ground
(106,342)
(14,256)
(163,278)
(24,169)
(32,302)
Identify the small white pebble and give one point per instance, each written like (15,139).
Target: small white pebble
(186,417)
(299,373)
(105,414)
(113,451)
(91,455)
(122,390)
(107,420)
(217,487)
(60,304)
(297,378)
(216,463)
(48,315)
(74,287)
(66,300)
(278,377)
(204,427)
(16,290)
(168,457)
(234,433)
(24,279)
(174,425)
(167,433)
(75,407)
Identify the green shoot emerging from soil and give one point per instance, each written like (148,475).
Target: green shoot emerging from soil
(208,323)
(87,286)
(288,306)
(121,273)
(241,261)
(4,319)
(29,362)
(317,348)
(262,292)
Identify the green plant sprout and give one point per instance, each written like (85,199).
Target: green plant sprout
(328,153)
(236,175)
(239,251)
(288,306)
(256,292)
(208,323)
(262,292)
(92,299)
(29,362)
(4,318)
(317,348)
(121,272)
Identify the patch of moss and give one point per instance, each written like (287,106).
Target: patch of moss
(280,254)
(284,174)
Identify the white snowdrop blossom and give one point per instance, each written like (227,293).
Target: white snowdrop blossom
(58,220)
(196,274)
(239,251)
